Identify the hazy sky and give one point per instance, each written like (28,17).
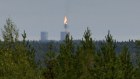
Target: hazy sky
(121,17)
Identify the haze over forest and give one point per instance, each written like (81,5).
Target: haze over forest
(90,57)
(121,17)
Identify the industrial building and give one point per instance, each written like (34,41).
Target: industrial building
(44,36)
(63,34)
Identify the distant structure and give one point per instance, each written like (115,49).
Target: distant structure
(66,24)
(63,34)
(44,36)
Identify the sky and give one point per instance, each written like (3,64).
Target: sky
(121,17)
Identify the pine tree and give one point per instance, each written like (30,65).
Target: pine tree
(108,58)
(10,31)
(125,68)
(137,57)
(66,59)
(16,58)
(85,56)
(51,64)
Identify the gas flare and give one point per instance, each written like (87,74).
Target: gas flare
(65,20)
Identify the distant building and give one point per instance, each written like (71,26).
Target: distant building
(44,36)
(63,35)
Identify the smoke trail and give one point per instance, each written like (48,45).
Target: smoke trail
(66,6)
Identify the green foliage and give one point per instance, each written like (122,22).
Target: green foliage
(84,61)
(10,32)
(125,66)
(137,59)
(86,56)
(16,59)
(89,63)
(51,63)
(66,59)
(107,59)
(24,36)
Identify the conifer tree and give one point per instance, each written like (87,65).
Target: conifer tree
(137,74)
(108,58)
(66,59)
(51,64)
(86,56)
(16,59)
(125,68)
(10,31)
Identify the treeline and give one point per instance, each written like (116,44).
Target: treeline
(42,47)
(82,61)
(87,62)
(16,57)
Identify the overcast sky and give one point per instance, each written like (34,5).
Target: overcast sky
(121,17)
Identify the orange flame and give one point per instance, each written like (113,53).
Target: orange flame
(65,20)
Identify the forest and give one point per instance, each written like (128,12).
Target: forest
(68,59)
